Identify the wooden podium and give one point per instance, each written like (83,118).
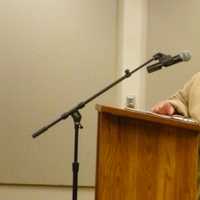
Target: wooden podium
(144,156)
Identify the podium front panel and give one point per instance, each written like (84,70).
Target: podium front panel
(141,160)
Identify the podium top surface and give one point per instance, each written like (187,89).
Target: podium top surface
(176,120)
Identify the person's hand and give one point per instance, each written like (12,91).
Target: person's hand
(163,107)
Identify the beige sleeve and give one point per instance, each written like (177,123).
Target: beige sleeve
(181,98)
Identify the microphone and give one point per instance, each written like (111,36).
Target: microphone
(167,60)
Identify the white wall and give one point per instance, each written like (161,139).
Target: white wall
(173,27)
(132,19)
(42,193)
(53,54)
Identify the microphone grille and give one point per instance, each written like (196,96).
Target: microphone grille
(186,56)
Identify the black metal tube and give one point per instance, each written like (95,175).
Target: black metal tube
(75,165)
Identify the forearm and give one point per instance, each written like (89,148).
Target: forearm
(179,103)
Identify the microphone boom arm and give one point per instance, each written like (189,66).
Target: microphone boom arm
(82,104)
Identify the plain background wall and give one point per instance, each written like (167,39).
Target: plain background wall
(172,28)
(132,24)
(41,193)
(53,54)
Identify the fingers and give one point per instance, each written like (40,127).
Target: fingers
(164,108)
(171,110)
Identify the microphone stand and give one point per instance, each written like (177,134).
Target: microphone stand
(76,116)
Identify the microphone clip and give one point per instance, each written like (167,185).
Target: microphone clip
(163,59)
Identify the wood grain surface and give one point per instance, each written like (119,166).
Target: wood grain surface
(145,160)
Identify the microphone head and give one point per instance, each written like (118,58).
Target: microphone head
(185,56)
